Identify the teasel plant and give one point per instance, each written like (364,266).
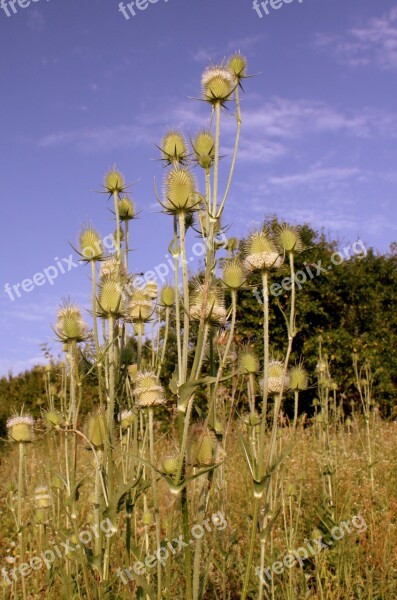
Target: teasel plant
(264,253)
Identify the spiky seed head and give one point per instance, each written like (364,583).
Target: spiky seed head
(248,361)
(20,428)
(42,497)
(167,296)
(147,518)
(204,149)
(275,376)
(210,304)
(140,307)
(110,297)
(174,148)
(252,419)
(180,191)
(127,418)
(148,391)
(57,482)
(201,446)
(40,516)
(261,253)
(152,290)
(298,379)
(90,243)
(170,465)
(126,209)
(233,274)
(52,418)
(238,65)
(289,239)
(218,84)
(114,181)
(96,428)
(70,324)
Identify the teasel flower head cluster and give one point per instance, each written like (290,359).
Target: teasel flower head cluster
(276,381)
(298,378)
(238,66)
(234,275)
(127,418)
(248,361)
(289,239)
(148,391)
(113,279)
(218,84)
(174,149)
(20,428)
(126,208)
(90,244)
(204,149)
(70,325)
(114,181)
(261,253)
(180,192)
(207,302)
(167,296)
(97,429)
(203,449)
(139,308)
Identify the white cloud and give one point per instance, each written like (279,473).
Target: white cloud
(371,43)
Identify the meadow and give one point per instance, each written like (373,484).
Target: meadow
(207,439)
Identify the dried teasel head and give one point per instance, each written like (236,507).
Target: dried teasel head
(208,303)
(148,391)
(180,192)
(70,325)
(114,181)
(20,428)
(204,149)
(90,243)
(174,148)
(218,83)
(289,239)
(261,253)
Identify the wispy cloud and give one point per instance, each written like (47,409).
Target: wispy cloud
(371,43)
(267,133)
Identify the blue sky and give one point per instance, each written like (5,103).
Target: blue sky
(83,88)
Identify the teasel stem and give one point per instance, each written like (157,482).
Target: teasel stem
(185,279)
(165,340)
(177,302)
(265,287)
(139,345)
(216,157)
(112,379)
(244,592)
(296,405)
(21,539)
(118,240)
(96,335)
(232,167)
(199,541)
(155,500)
(291,335)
